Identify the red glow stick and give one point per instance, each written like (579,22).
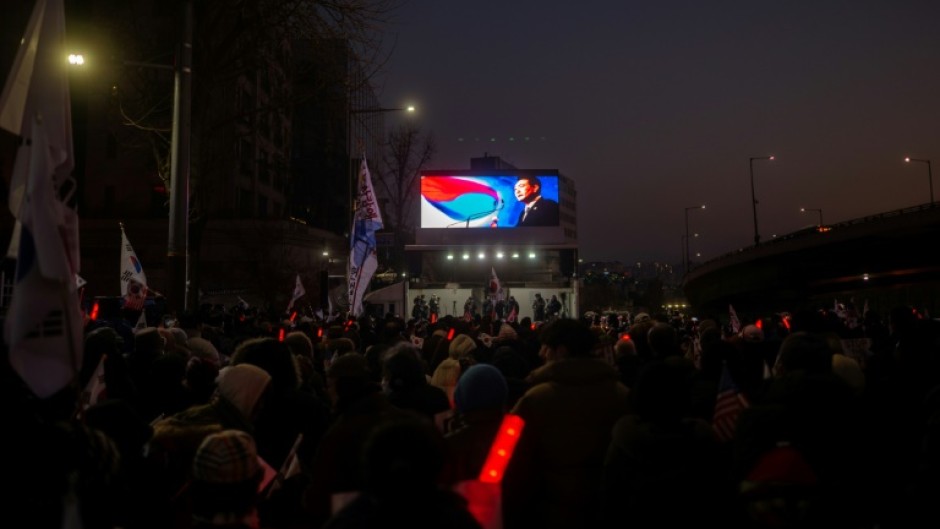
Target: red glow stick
(502,448)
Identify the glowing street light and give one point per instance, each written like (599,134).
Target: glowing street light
(753,196)
(76,59)
(817,210)
(929,174)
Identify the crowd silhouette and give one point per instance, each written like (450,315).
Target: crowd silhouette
(647,420)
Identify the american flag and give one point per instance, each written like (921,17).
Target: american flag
(728,406)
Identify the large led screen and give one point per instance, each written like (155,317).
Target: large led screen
(519,200)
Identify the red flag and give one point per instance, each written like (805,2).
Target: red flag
(729,404)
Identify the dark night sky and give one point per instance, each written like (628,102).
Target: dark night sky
(655,106)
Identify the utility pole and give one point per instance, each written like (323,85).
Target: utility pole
(177,251)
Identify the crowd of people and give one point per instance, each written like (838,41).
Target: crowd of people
(229,418)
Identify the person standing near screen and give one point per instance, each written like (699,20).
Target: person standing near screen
(538,307)
(539,211)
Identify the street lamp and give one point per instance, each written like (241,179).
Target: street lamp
(929,175)
(178,262)
(753,196)
(687,210)
(817,210)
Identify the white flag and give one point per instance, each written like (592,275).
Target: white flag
(37,86)
(299,292)
(363,260)
(133,278)
(43,328)
(735,322)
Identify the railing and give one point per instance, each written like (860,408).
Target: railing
(808,232)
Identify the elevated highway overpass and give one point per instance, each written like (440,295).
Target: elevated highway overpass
(888,259)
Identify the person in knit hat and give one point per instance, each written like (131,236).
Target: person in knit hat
(479,403)
(204,350)
(236,405)
(225,478)
(482,387)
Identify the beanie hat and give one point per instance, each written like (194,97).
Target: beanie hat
(641,317)
(506,333)
(243,385)
(229,456)
(480,387)
(462,346)
(204,350)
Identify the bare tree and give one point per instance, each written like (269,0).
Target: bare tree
(407,153)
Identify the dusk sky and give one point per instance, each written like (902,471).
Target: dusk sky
(652,107)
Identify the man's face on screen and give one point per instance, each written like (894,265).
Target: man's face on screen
(525,191)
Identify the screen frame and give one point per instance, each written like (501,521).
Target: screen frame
(494,206)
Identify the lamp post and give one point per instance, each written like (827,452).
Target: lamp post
(929,174)
(687,210)
(753,196)
(817,210)
(177,251)
(178,263)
